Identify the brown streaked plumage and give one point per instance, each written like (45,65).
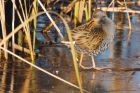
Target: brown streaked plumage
(95,36)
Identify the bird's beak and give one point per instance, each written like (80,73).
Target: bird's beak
(102,20)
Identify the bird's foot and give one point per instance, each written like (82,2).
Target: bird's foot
(98,68)
(102,69)
(91,67)
(86,68)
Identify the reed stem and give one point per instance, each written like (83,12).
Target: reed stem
(13,27)
(59,32)
(3,25)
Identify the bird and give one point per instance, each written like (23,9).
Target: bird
(93,37)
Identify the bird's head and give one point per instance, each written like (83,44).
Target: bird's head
(100,17)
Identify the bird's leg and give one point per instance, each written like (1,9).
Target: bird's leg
(81,60)
(93,64)
(80,63)
(91,67)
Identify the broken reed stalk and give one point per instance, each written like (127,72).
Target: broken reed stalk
(26,29)
(45,71)
(3,25)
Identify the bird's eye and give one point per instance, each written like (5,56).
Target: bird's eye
(94,16)
(104,16)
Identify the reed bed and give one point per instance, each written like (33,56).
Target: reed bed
(82,10)
(25,19)
(3,25)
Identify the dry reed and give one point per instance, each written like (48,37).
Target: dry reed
(25,24)
(26,28)
(13,27)
(3,25)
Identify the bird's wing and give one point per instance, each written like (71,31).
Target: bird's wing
(96,38)
(89,39)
